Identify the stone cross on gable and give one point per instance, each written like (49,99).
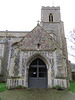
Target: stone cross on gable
(38,22)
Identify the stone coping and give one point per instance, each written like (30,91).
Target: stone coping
(14,77)
(61,77)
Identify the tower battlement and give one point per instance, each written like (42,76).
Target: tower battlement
(50,8)
(47,12)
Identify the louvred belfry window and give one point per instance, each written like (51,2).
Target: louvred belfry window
(50,17)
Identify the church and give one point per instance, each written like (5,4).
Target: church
(36,58)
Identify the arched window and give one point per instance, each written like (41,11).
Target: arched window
(12,52)
(50,17)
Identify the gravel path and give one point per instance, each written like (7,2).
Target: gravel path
(33,94)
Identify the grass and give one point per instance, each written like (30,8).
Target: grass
(2,87)
(72,86)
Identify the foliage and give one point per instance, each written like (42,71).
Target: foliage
(72,86)
(0,98)
(57,87)
(2,87)
(20,87)
(71,43)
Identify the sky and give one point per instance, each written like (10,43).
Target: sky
(22,15)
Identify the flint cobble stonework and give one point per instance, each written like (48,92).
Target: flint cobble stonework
(46,42)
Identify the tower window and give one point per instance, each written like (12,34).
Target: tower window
(50,17)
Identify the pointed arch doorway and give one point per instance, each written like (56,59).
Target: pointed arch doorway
(37,74)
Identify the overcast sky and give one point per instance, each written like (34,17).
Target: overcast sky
(22,15)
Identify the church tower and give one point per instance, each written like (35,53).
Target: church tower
(50,21)
(50,14)
(52,24)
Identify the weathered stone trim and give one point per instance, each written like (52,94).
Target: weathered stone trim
(13,83)
(39,50)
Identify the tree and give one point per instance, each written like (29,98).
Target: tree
(71,45)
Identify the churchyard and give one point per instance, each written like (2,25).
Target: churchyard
(37,94)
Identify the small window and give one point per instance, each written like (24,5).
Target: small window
(12,52)
(50,17)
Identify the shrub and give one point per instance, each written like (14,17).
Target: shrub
(20,87)
(57,87)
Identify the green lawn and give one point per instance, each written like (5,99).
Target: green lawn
(72,86)
(2,87)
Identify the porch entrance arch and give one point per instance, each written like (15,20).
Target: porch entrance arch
(37,74)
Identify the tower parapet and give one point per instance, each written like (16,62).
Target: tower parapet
(46,11)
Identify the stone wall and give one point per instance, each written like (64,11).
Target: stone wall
(49,57)
(24,45)
(4,61)
(1,55)
(13,34)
